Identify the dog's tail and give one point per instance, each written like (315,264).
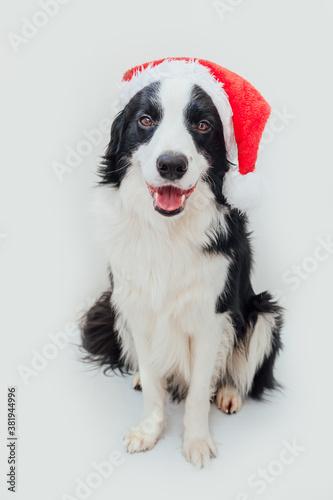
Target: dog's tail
(263,307)
(100,340)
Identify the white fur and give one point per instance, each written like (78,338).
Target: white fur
(169,278)
(166,287)
(172,135)
(242,364)
(167,299)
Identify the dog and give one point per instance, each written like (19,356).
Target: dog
(180,313)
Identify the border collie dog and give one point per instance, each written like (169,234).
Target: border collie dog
(180,313)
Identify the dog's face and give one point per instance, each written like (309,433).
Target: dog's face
(172,131)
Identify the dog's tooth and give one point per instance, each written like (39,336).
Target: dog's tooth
(183,198)
(155,196)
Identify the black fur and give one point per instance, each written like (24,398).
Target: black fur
(127,135)
(241,302)
(100,341)
(99,337)
(238,291)
(211,143)
(238,298)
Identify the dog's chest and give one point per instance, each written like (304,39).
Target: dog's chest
(164,273)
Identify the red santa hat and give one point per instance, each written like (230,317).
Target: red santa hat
(242,109)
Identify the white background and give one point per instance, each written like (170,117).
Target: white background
(64,81)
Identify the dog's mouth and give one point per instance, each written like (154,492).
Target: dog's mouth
(169,200)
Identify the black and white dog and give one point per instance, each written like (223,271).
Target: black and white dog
(180,313)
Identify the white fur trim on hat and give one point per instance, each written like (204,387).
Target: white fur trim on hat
(244,191)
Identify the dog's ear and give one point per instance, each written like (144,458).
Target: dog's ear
(112,168)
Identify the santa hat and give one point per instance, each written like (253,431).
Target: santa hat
(242,109)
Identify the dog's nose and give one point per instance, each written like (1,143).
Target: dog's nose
(172,166)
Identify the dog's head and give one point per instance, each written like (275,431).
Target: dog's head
(172,133)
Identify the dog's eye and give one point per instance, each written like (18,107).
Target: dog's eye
(146,121)
(203,126)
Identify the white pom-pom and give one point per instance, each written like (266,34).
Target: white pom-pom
(245,191)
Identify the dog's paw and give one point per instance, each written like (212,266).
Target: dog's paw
(136,439)
(199,451)
(136,382)
(229,400)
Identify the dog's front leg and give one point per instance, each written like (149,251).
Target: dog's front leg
(145,435)
(198,446)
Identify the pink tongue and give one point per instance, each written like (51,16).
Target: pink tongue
(168,199)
